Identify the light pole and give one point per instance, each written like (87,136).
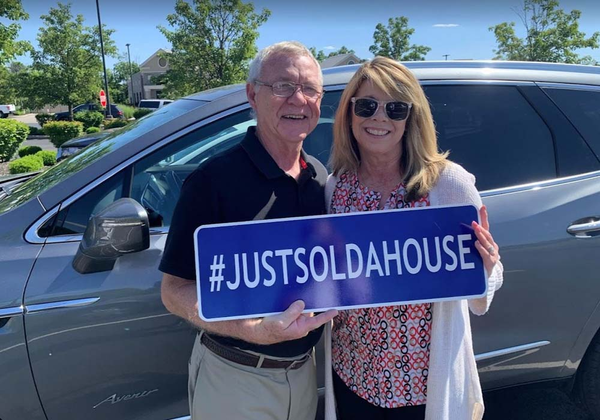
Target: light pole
(445,56)
(130,75)
(108,114)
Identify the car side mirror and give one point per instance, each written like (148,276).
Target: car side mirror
(119,229)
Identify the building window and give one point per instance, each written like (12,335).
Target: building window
(162,62)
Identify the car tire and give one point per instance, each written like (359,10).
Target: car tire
(3,115)
(587,383)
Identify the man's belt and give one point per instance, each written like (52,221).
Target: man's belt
(241,357)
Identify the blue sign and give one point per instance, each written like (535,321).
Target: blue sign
(364,259)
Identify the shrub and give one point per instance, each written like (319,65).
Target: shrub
(61,131)
(34,131)
(48,157)
(114,123)
(29,150)
(91,130)
(127,111)
(19,112)
(25,164)
(43,118)
(12,134)
(89,118)
(140,112)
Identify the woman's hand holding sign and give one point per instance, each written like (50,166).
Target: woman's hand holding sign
(488,249)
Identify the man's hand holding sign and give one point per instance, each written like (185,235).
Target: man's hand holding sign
(345,261)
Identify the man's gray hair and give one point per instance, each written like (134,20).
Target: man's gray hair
(290,48)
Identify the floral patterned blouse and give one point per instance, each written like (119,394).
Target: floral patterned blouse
(381,354)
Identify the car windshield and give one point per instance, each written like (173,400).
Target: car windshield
(74,163)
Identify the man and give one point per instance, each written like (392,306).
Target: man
(254,368)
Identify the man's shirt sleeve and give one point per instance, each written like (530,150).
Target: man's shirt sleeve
(196,206)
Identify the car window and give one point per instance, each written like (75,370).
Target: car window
(73,219)
(148,104)
(75,163)
(582,107)
(318,143)
(494,133)
(158,178)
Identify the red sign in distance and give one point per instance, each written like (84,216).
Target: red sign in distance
(102,98)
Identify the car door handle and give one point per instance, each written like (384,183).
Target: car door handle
(583,228)
(8,313)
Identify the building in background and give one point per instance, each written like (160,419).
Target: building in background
(340,60)
(145,83)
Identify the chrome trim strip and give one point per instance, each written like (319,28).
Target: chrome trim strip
(74,238)
(63,239)
(61,304)
(41,204)
(541,184)
(183,418)
(476,82)
(333,88)
(159,230)
(568,86)
(510,350)
(31,235)
(9,312)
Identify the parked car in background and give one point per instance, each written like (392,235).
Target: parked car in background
(6,110)
(114,110)
(153,103)
(73,146)
(97,343)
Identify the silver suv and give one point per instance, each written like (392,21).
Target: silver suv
(83,333)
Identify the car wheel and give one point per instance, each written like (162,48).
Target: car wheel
(587,384)
(3,115)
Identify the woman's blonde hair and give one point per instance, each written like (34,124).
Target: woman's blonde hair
(421,162)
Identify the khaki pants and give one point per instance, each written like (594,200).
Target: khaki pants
(223,390)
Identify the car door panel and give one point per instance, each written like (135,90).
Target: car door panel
(551,285)
(18,396)
(121,357)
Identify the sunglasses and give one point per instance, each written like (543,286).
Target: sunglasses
(367,107)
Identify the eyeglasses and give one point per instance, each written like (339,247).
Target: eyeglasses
(367,107)
(287,89)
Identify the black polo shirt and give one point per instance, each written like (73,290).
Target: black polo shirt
(243,183)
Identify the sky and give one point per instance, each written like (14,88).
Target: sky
(457,28)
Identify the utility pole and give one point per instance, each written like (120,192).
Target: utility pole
(130,76)
(445,56)
(108,114)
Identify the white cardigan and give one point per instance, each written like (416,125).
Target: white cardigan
(453,388)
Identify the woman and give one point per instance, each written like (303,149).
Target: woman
(408,361)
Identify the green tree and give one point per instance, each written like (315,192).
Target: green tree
(341,51)
(9,46)
(68,65)
(320,55)
(118,79)
(212,43)
(552,35)
(393,41)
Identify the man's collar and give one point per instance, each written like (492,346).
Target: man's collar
(263,160)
